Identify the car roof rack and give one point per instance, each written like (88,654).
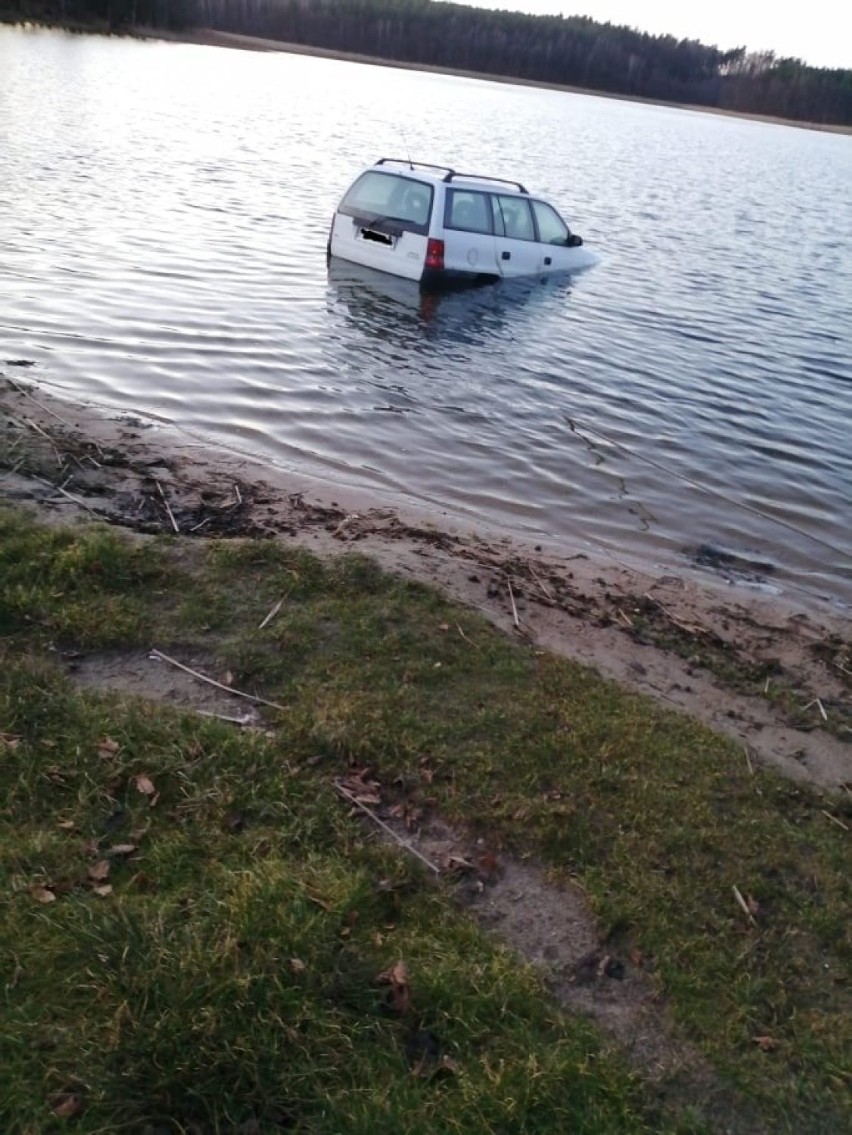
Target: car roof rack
(482,177)
(450,173)
(421,165)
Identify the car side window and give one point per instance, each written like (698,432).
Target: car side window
(551,228)
(468,211)
(513,218)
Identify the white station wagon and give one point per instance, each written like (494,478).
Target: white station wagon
(431,224)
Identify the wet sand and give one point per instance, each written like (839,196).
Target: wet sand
(772,671)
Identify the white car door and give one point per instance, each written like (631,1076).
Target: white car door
(518,251)
(554,252)
(469,248)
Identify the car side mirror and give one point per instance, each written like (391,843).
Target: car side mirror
(573,241)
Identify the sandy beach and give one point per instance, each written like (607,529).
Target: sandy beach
(772,671)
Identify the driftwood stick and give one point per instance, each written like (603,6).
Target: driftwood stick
(47,409)
(744,905)
(386,828)
(464,636)
(546,590)
(272,613)
(158,654)
(514,607)
(59,489)
(168,510)
(835,820)
(243,721)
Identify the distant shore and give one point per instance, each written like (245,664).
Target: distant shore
(210,37)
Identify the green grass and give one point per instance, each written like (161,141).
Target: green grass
(174,1001)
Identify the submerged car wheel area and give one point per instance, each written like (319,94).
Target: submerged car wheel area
(439,227)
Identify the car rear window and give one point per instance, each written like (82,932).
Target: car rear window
(388,197)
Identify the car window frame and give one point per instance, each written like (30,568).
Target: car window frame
(497,210)
(390,221)
(448,206)
(546,205)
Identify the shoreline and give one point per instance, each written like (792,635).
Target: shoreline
(763,669)
(211,37)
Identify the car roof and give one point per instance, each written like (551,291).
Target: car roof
(436,175)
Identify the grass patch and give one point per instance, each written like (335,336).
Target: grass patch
(657,816)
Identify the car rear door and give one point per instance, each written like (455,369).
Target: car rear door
(469,247)
(383,222)
(518,251)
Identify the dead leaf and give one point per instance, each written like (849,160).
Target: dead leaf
(91,848)
(103,890)
(107,748)
(66,1105)
(637,958)
(99,871)
(752,904)
(399,996)
(42,894)
(228,680)
(122,849)
(349,924)
(443,626)
(765,1043)
(9,741)
(145,785)
(66,825)
(297,965)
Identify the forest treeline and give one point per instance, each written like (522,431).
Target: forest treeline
(571,51)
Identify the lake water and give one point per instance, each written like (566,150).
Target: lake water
(163,217)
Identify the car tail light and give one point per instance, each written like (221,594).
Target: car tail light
(435,254)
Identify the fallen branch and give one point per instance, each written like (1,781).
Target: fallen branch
(744,905)
(272,613)
(546,591)
(168,510)
(464,636)
(386,827)
(243,721)
(59,489)
(47,409)
(835,820)
(158,654)
(514,607)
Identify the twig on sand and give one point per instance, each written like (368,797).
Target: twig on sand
(168,510)
(344,792)
(158,654)
(272,613)
(744,905)
(237,494)
(47,409)
(748,760)
(819,706)
(59,489)
(545,590)
(514,606)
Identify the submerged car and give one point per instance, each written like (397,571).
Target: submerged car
(434,225)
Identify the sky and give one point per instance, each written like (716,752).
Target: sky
(818,31)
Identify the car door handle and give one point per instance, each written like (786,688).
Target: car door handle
(507,256)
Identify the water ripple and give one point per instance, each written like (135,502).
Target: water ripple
(162,249)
